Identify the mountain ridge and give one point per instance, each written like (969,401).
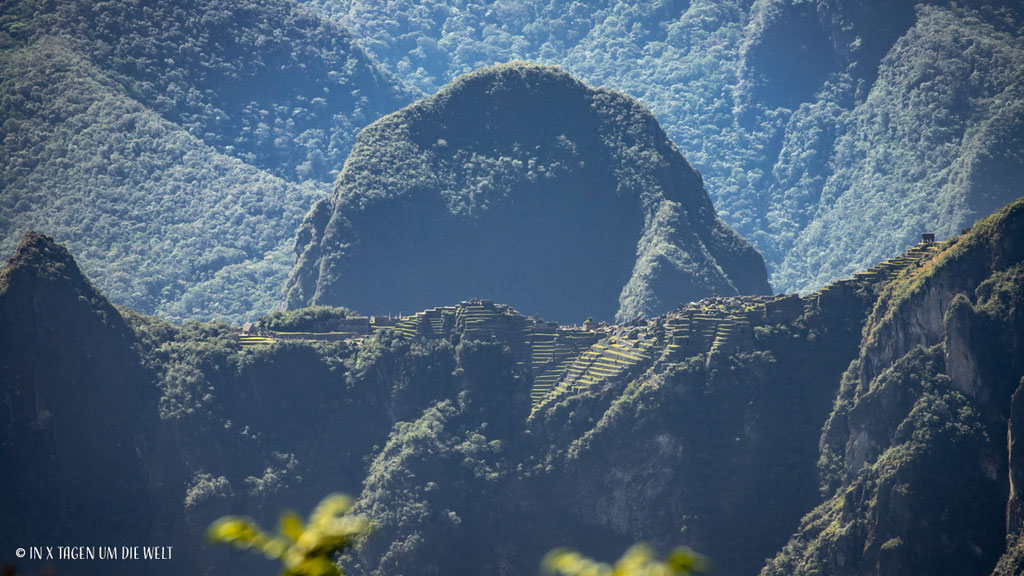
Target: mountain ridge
(158,217)
(177,158)
(636,435)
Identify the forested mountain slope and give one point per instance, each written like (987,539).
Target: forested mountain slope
(808,120)
(921,454)
(934,144)
(271,83)
(482,438)
(123,428)
(716,450)
(164,222)
(165,141)
(520,183)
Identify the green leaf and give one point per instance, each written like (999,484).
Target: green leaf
(290,525)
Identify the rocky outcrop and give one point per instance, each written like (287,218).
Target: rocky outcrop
(518,183)
(916,450)
(79,410)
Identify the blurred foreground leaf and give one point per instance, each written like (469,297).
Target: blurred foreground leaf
(637,561)
(304,550)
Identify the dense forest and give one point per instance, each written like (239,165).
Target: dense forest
(270,83)
(519,183)
(861,429)
(807,119)
(166,223)
(177,159)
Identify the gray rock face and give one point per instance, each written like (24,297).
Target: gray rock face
(922,447)
(520,184)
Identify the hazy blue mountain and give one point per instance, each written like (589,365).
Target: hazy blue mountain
(935,144)
(519,183)
(271,83)
(830,133)
(163,222)
(165,141)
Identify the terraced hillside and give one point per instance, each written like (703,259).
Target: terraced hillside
(704,421)
(566,360)
(912,263)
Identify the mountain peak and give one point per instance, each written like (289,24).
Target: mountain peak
(521,184)
(40,257)
(43,287)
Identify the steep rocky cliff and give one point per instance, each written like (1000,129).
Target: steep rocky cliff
(915,456)
(724,449)
(521,184)
(79,409)
(125,430)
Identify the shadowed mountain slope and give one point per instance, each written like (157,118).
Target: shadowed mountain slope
(519,183)
(483,438)
(830,133)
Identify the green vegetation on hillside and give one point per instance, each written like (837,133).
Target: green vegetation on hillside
(447,409)
(269,82)
(164,141)
(718,425)
(311,319)
(830,134)
(680,58)
(163,223)
(935,145)
(520,183)
(935,389)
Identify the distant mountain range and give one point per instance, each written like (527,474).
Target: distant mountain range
(829,134)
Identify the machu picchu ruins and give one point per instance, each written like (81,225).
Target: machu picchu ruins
(914,258)
(567,359)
